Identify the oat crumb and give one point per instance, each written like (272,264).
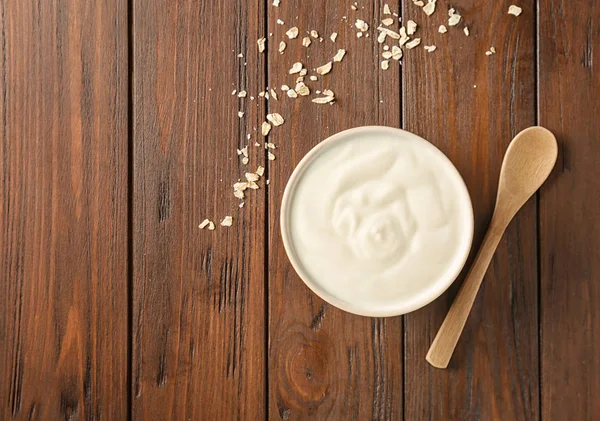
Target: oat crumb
(514,10)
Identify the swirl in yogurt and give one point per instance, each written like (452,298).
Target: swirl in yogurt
(376,220)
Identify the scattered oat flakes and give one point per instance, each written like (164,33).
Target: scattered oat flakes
(333,36)
(242,94)
(324,69)
(282,46)
(276,119)
(388,21)
(292,93)
(340,55)
(240,114)
(292,32)
(385,64)
(362,25)
(250,176)
(227,221)
(429,8)
(466,31)
(396,52)
(276,3)
(266,128)
(430,48)
(280,22)
(388,32)
(411,27)
(514,10)
(270,156)
(442,29)
(274,94)
(301,89)
(386,9)
(314,34)
(306,41)
(413,43)
(261,44)
(296,68)
(204,224)
(260,170)
(314,78)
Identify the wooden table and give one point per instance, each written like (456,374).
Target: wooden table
(119,136)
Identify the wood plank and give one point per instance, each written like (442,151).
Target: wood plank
(470,105)
(325,364)
(569,88)
(198,322)
(63,210)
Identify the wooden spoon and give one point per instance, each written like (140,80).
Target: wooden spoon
(528,161)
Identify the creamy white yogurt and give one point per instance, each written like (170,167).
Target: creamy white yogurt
(377,221)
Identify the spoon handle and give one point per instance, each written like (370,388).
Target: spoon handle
(445,341)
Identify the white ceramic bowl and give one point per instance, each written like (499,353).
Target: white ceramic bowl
(435,287)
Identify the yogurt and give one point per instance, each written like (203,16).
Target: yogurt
(377,221)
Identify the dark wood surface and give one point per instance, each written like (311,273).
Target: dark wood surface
(63,210)
(119,136)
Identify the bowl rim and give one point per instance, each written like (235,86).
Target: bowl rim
(440,285)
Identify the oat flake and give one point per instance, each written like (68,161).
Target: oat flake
(266,128)
(261,44)
(227,221)
(340,55)
(385,64)
(306,41)
(442,29)
(204,224)
(333,36)
(296,68)
(514,10)
(413,43)
(276,119)
(386,9)
(292,32)
(411,27)
(324,69)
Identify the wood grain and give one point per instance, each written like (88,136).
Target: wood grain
(63,210)
(470,105)
(325,364)
(569,88)
(198,322)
